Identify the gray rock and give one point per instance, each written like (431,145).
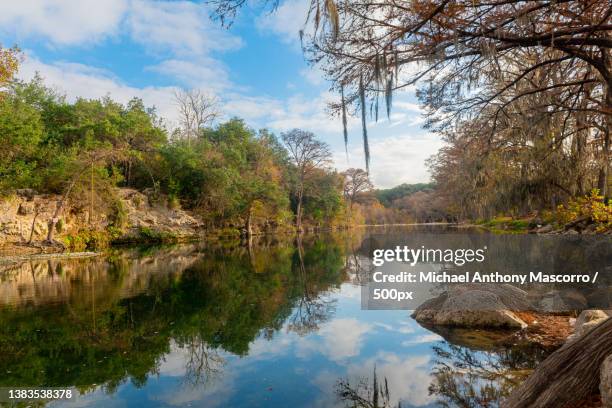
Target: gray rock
(25,208)
(605,382)
(545,229)
(475,306)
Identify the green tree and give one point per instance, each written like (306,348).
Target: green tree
(308,155)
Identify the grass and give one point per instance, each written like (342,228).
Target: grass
(506,225)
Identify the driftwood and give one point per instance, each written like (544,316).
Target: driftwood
(569,375)
(576,222)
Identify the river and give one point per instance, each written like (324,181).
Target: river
(278,323)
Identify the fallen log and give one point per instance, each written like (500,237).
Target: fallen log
(569,375)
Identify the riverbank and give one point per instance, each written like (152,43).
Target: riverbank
(31,223)
(536,225)
(12,255)
(589,215)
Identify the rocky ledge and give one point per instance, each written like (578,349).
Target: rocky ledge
(25,219)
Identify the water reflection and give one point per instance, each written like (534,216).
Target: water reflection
(274,323)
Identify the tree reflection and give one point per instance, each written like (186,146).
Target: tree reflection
(203,362)
(113,320)
(310,308)
(365,393)
(468,378)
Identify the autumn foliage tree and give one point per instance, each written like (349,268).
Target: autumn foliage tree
(9,63)
(356,182)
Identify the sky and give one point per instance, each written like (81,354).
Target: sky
(148,49)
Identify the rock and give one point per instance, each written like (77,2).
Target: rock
(572,231)
(605,382)
(587,320)
(11,228)
(561,301)
(545,229)
(475,306)
(28,193)
(25,208)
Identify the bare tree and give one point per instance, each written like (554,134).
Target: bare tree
(197,109)
(356,182)
(307,154)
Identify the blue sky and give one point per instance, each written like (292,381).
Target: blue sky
(148,49)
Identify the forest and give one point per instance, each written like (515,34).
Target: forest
(230,175)
(520,92)
(226,173)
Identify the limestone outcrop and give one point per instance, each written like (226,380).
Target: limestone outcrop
(25,216)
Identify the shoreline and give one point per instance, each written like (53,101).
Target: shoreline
(5,260)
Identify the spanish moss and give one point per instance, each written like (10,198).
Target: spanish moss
(366,147)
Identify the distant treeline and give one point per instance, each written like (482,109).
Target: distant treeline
(387,196)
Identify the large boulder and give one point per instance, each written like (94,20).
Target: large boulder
(482,306)
(605,382)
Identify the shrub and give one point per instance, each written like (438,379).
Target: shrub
(591,208)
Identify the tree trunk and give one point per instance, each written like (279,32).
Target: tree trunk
(58,210)
(33,226)
(569,375)
(602,183)
(298,218)
(249,226)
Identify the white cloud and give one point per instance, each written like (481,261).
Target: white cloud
(424,338)
(78,80)
(62,22)
(181,27)
(286,21)
(299,111)
(252,107)
(343,338)
(205,73)
(183,30)
(394,159)
(313,76)
(407,106)
(180,32)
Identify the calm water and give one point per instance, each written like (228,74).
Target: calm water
(276,325)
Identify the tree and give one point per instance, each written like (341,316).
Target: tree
(474,62)
(9,64)
(22,130)
(376,48)
(356,182)
(197,109)
(307,155)
(85,173)
(569,376)
(260,183)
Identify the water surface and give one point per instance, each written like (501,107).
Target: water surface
(274,324)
